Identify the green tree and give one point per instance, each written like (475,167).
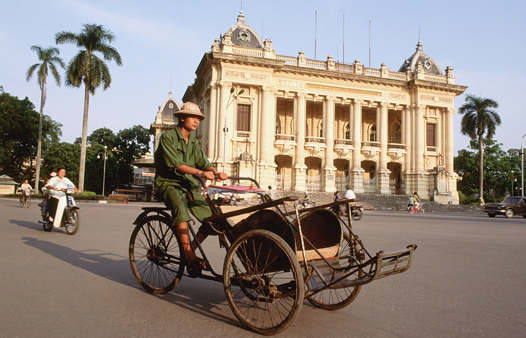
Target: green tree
(62,155)
(500,169)
(132,143)
(95,173)
(49,60)
(19,134)
(89,69)
(479,122)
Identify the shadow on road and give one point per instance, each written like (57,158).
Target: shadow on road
(30,225)
(195,296)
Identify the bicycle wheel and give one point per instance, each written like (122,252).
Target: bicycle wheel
(28,202)
(156,256)
(263,282)
(72,224)
(338,297)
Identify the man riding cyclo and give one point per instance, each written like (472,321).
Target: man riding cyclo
(177,158)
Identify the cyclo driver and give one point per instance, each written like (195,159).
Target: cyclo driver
(177,158)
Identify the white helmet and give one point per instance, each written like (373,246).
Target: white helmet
(350,195)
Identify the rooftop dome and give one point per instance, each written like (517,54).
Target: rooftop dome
(430,66)
(244,35)
(165,115)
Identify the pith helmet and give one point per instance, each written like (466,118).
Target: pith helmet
(189,108)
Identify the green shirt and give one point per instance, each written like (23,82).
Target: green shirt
(173,152)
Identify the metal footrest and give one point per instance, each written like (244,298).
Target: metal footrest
(323,275)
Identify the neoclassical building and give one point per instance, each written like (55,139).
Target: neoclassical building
(302,124)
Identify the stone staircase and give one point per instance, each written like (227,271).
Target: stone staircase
(386,202)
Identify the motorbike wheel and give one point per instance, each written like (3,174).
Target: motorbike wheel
(47,226)
(72,225)
(357,214)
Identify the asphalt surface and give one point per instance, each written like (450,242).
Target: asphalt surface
(467,280)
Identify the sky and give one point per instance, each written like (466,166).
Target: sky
(161,43)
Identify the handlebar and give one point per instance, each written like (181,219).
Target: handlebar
(202,179)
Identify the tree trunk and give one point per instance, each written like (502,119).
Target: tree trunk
(481,171)
(39,144)
(82,165)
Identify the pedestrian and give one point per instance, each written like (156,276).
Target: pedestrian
(271,193)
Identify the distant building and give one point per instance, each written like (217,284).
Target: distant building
(304,124)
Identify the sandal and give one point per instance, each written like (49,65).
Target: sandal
(195,267)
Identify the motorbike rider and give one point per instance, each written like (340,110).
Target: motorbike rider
(417,200)
(54,189)
(411,202)
(341,208)
(43,204)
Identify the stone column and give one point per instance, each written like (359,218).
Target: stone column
(420,139)
(225,94)
(449,155)
(329,170)
(407,123)
(300,169)
(267,133)
(407,141)
(356,174)
(381,129)
(212,124)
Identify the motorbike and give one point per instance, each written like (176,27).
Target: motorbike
(414,209)
(356,211)
(306,203)
(225,200)
(66,215)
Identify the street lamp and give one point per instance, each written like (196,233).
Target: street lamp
(104,170)
(522,166)
(230,100)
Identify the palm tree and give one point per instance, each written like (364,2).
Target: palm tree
(88,69)
(49,61)
(479,118)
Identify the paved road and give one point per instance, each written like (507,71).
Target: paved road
(467,280)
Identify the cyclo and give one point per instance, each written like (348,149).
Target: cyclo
(276,257)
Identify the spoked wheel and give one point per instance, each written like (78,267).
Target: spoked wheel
(72,225)
(28,202)
(263,282)
(156,255)
(338,297)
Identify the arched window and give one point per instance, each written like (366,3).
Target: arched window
(395,133)
(372,133)
(347,131)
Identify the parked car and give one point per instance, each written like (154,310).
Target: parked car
(514,205)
